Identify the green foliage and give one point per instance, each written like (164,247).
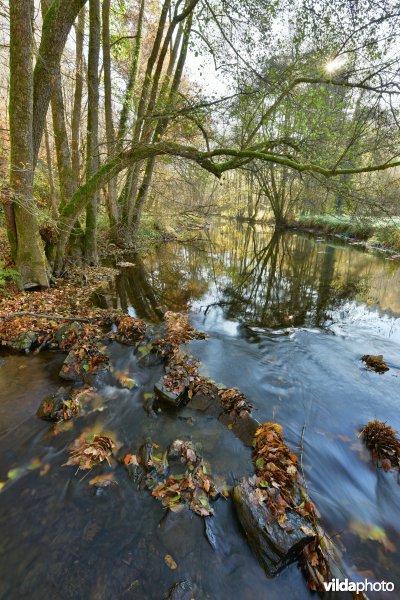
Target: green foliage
(377,232)
(7,274)
(342,224)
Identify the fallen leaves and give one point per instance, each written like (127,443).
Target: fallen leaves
(277,484)
(102,481)
(315,563)
(276,472)
(90,451)
(381,441)
(234,402)
(375,363)
(181,371)
(170,562)
(127,382)
(131,459)
(373,533)
(194,488)
(87,357)
(130,331)
(178,331)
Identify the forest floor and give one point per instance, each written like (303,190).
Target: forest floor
(377,234)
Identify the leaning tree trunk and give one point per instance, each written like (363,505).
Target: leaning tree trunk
(128,193)
(57,24)
(92,162)
(29,252)
(169,89)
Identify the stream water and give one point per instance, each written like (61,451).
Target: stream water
(288,317)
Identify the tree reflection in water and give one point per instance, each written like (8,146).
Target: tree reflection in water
(255,275)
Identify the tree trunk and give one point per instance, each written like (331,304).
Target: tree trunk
(130,88)
(111,193)
(167,95)
(77,107)
(30,257)
(92,160)
(64,164)
(57,24)
(128,193)
(53,194)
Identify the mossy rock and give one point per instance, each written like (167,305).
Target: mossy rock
(25,343)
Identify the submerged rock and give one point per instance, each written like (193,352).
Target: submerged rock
(166,396)
(182,590)
(274,546)
(84,365)
(243,427)
(58,407)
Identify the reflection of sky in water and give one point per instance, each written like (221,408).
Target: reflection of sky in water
(354,316)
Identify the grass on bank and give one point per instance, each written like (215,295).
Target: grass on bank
(384,232)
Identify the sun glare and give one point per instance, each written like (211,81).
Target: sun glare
(334,65)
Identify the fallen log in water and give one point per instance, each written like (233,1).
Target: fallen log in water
(274,547)
(277,516)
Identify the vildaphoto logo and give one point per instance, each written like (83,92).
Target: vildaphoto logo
(335,585)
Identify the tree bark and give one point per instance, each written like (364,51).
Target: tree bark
(92,158)
(112,207)
(130,88)
(53,194)
(30,257)
(132,178)
(77,107)
(168,91)
(57,24)
(64,164)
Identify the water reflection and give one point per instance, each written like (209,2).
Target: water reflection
(257,276)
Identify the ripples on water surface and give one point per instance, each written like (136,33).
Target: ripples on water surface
(288,319)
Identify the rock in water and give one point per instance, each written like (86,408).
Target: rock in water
(182,590)
(68,334)
(53,407)
(166,396)
(25,343)
(274,547)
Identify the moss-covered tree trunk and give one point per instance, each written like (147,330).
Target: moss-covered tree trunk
(57,24)
(29,252)
(92,162)
(111,193)
(78,92)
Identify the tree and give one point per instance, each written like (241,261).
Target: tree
(23,228)
(321,137)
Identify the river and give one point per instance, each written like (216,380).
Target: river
(288,318)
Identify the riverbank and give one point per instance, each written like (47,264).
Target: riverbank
(381,234)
